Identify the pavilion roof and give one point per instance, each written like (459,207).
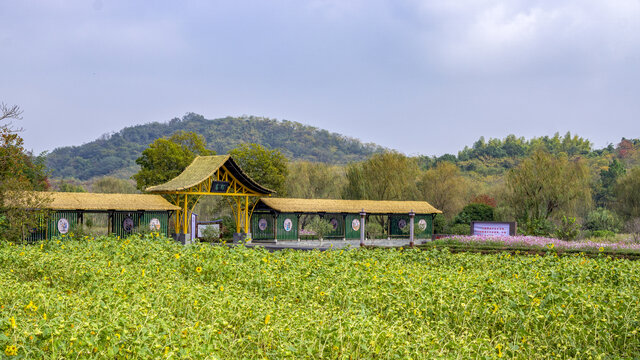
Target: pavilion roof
(348,206)
(202,168)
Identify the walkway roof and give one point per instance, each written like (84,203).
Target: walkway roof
(202,168)
(103,202)
(347,206)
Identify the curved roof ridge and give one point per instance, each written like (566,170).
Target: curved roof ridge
(202,168)
(349,206)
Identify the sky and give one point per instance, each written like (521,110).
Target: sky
(421,77)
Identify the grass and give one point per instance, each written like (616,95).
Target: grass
(148,297)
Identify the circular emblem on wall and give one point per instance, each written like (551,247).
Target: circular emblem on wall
(287,224)
(422,224)
(127,224)
(355,224)
(334,223)
(262,224)
(154,224)
(402,223)
(63,226)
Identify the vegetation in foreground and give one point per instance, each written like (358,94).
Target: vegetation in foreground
(148,297)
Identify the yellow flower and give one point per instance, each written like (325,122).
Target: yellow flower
(177,256)
(499,347)
(198,269)
(267,319)
(44,316)
(221,288)
(12,321)
(11,350)
(601,249)
(551,246)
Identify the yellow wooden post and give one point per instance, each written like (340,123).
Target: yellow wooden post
(186,213)
(246,214)
(238,202)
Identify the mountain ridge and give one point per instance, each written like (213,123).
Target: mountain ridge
(115,154)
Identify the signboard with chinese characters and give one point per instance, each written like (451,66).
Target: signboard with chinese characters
(219,186)
(490,228)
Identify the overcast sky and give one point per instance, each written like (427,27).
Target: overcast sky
(422,77)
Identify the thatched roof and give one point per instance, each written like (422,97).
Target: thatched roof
(347,206)
(102,202)
(204,167)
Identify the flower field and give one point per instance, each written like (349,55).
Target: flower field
(152,298)
(535,243)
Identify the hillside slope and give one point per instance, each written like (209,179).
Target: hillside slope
(116,154)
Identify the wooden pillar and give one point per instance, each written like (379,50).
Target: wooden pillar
(238,214)
(185,216)
(412,216)
(246,214)
(362,215)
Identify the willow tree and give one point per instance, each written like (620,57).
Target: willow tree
(627,191)
(544,187)
(445,188)
(385,176)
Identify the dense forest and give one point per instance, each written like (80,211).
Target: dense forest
(115,154)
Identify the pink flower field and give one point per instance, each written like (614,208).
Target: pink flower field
(543,242)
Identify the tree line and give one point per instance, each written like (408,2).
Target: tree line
(556,185)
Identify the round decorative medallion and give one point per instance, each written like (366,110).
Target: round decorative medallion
(402,223)
(262,224)
(334,223)
(154,224)
(422,224)
(355,224)
(127,224)
(287,224)
(63,226)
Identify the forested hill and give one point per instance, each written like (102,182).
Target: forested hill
(116,154)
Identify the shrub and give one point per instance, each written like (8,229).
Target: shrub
(568,229)
(439,224)
(210,234)
(603,219)
(537,227)
(459,229)
(374,230)
(320,226)
(475,212)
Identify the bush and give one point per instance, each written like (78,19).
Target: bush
(210,234)
(603,219)
(568,229)
(439,224)
(537,227)
(459,229)
(475,212)
(374,230)
(320,226)
(605,234)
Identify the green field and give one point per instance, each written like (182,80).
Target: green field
(153,298)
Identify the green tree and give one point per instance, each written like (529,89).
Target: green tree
(475,212)
(166,158)
(113,185)
(544,186)
(604,195)
(445,188)
(267,167)
(21,208)
(320,226)
(385,176)
(627,192)
(69,186)
(309,180)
